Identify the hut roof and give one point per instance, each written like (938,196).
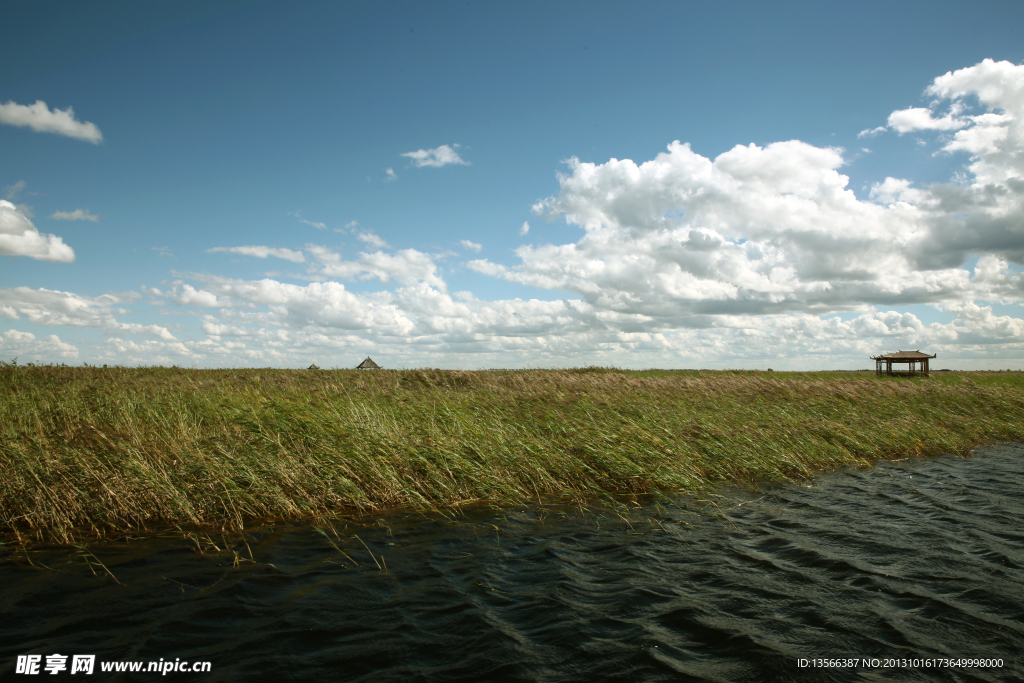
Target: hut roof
(368,364)
(314,366)
(903,355)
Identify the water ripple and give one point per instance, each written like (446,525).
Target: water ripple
(913,559)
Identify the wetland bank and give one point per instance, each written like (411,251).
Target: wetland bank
(90,451)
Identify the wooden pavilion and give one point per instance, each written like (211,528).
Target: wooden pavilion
(368,364)
(917,364)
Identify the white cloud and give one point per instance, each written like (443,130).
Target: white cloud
(524,229)
(679,261)
(893,190)
(262,252)
(319,304)
(17,336)
(756,230)
(439,156)
(373,240)
(917,118)
(421,324)
(55,308)
(764,230)
(391,175)
(871,132)
(349,227)
(76,215)
(164,251)
(186,295)
(472,246)
(25,345)
(18,237)
(406,266)
(39,118)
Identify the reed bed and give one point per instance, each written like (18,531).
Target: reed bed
(87,451)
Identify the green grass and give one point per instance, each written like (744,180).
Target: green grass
(86,451)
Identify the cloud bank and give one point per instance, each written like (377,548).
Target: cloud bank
(762,255)
(50,308)
(774,229)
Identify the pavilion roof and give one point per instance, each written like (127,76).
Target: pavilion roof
(903,355)
(368,364)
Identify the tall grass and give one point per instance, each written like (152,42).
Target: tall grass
(93,450)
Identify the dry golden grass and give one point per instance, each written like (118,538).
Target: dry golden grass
(93,450)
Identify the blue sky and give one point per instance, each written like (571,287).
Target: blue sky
(265,184)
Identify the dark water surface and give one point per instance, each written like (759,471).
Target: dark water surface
(913,559)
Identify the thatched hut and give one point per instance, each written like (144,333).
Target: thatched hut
(917,364)
(368,364)
(314,366)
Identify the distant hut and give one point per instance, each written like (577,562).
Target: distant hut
(917,364)
(368,364)
(314,366)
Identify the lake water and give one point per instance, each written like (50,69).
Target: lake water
(912,560)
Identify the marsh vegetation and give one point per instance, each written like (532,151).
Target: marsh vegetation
(87,451)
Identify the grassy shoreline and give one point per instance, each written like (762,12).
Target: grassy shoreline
(87,451)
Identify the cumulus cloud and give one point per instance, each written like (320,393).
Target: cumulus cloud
(472,246)
(183,294)
(18,237)
(439,156)
(685,260)
(917,118)
(76,215)
(406,266)
(271,321)
(756,230)
(417,323)
(41,119)
(262,252)
(390,172)
(323,305)
(764,230)
(25,345)
(743,259)
(524,229)
(49,307)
